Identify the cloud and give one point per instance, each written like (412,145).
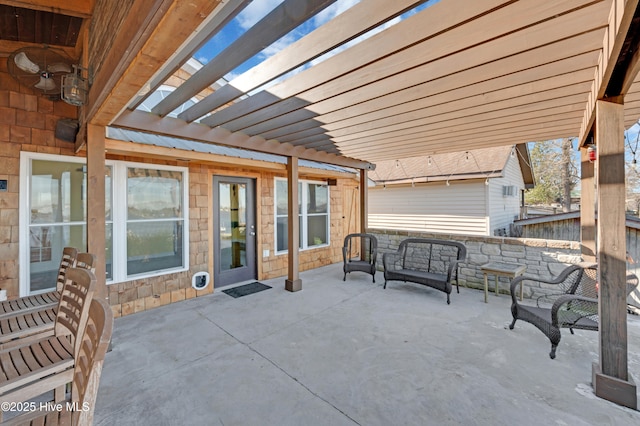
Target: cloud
(332,11)
(255,11)
(278,45)
(356,41)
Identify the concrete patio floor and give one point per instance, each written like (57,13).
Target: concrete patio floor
(345,353)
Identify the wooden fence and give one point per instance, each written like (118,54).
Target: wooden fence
(566,227)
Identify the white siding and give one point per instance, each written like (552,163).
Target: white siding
(503,210)
(456,209)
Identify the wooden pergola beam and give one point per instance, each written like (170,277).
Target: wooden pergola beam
(96,221)
(364,201)
(620,19)
(293,282)
(343,28)
(212,25)
(611,379)
(118,147)
(146,122)
(152,31)
(587,208)
(282,19)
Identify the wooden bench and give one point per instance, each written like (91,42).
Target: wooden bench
(33,322)
(429,262)
(44,300)
(49,361)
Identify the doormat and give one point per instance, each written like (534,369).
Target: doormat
(243,290)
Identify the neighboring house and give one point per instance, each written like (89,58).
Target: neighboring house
(476,192)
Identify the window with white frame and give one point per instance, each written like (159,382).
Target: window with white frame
(144,212)
(313,214)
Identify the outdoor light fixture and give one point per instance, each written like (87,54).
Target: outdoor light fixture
(74,87)
(592,153)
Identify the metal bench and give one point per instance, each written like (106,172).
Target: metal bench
(430,262)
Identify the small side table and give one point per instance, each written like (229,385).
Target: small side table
(510,270)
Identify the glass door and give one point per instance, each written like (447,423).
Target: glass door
(234,230)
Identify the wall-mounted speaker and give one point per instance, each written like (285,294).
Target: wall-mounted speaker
(67,129)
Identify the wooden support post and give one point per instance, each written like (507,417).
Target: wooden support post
(96,223)
(611,380)
(364,194)
(293,282)
(587,208)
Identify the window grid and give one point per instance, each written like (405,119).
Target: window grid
(304,215)
(115,219)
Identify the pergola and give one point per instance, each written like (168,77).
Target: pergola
(454,76)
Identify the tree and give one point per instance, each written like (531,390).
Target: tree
(556,173)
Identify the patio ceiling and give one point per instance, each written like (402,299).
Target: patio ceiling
(38,22)
(454,76)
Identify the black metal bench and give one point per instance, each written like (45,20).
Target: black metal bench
(425,261)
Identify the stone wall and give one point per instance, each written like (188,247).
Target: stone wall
(543,258)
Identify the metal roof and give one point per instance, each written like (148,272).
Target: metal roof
(207,148)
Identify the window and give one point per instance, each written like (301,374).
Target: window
(145,218)
(313,214)
(154,220)
(56,218)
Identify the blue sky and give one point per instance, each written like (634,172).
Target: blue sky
(257,9)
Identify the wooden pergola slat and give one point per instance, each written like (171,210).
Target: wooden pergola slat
(282,19)
(584,47)
(350,24)
(480,94)
(463,108)
(214,23)
(333,77)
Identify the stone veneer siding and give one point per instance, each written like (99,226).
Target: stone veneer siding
(544,258)
(27,123)
(135,296)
